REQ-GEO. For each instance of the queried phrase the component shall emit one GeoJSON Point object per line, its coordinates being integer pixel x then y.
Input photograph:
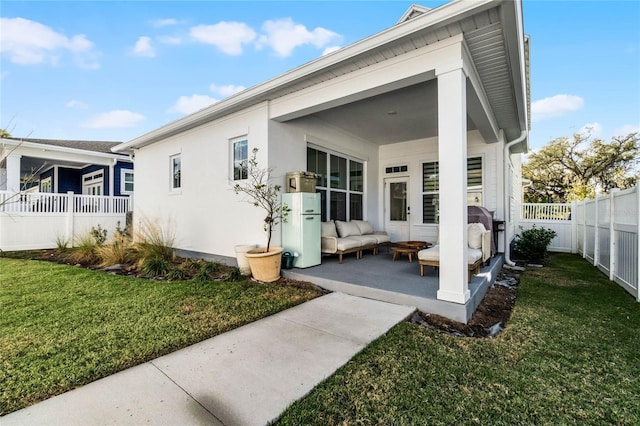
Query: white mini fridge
{"type": "Point", "coordinates": [301, 232]}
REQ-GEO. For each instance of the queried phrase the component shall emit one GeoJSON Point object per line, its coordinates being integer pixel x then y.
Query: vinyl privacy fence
{"type": "Point", "coordinates": [30, 221]}
{"type": "Point", "coordinates": [603, 230]}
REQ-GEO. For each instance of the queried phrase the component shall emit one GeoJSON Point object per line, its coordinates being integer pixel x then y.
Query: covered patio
{"type": "Point", "coordinates": [381, 278]}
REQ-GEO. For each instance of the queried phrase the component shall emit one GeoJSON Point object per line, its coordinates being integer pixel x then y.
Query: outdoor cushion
{"type": "Point", "coordinates": [329, 229]}
{"type": "Point", "coordinates": [347, 229]}
{"type": "Point", "coordinates": [348, 243]}
{"type": "Point", "coordinates": [433, 254]}
{"type": "Point", "coordinates": [364, 226]}
{"type": "Point", "coordinates": [382, 237]}
{"type": "Point", "coordinates": [474, 235]}
{"type": "Point", "coordinates": [366, 240]}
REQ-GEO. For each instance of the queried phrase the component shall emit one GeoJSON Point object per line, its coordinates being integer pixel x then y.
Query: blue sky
{"type": "Point", "coordinates": [114, 70]}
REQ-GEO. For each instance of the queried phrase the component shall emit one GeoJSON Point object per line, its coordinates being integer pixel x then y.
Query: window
{"type": "Point", "coordinates": [45, 185]}
{"type": "Point", "coordinates": [240, 158]}
{"type": "Point", "coordinates": [176, 172]}
{"type": "Point", "coordinates": [431, 188]}
{"type": "Point", "coordinates": [340, 182]}
{"type": "Point", "coordinates": [126, 181]}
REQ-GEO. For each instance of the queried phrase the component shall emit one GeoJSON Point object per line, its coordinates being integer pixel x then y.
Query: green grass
{"type": "Point", "coordinates": [63, 326]}
{"type": "Point", "coordinates": [570, 354]}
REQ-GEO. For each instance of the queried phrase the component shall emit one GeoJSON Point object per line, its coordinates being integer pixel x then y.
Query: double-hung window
{"type": "Point", "coordinates": [340, 182]}
{"type": "Point", "coordinates": [126, 181]}
{"type": "Point", "coordinates": [240, 159]}
{"type": "Point", "coordinates": [431, 188]}
{"type": "Point", "coordinates": [176, 172]}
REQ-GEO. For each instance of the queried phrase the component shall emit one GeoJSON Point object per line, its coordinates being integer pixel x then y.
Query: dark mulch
{"type": "Point", "coordinates": [490, 317]}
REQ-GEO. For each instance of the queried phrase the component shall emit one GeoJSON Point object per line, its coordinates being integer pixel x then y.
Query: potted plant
{"type": "Point", "coordinates": [265, 262]}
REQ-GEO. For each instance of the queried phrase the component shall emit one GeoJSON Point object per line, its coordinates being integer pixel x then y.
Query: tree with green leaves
{"type": "Point", "coordinates": [4, 134]}
{"type": "Point", "coordinates": [569, 169]}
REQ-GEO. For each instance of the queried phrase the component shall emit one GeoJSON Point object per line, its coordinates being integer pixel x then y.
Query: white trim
{"type": "Point", "coordinates": [47, 180]}
{"type": "Point", "coordinates": [123, 182]}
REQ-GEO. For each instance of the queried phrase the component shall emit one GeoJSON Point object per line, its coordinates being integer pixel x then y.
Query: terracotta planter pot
{"type": "Point", "coordinates": [265, 266]}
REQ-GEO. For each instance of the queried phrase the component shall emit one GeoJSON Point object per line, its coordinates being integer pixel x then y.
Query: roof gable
{"type": "Point", "coordinates": [413, 11]}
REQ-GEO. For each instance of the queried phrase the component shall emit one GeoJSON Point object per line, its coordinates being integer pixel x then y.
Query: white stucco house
{"type": "Point", "coordinates": [437, 106]}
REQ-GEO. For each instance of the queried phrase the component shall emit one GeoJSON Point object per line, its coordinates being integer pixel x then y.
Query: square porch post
{"type": "Point", "coordinates": [452, 155]}
{"type": "Point", "coordinates": [13, 172]}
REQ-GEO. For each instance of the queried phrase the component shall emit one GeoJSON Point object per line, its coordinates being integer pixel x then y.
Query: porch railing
{"type": "Point", "coordinates": [38, 202]}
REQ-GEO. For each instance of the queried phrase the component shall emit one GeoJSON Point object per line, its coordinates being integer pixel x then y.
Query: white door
{"type": "Point", "coordinates": [396, 208]}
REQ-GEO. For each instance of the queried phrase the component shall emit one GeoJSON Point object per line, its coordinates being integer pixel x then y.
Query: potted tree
{"type": "Point", "coordinates": [264, 262]}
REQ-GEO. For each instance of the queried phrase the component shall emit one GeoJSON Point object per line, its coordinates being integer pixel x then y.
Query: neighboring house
{"type": "Point", "coordinates": [405, 128]}
{"type": "Point", "coordinates": [61, 166]}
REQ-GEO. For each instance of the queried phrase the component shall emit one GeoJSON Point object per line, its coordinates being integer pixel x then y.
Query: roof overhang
{"type": "Point", "coordinates": [436, 22]}
{"type": "Point", "coordinates": [59, 153]}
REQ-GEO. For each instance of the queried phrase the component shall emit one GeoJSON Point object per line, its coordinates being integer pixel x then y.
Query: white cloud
{"type": "Point", "coordinates": [626, 129]}
{"type": "Point", "coordinates": [164, 22]}
{"type": "Point", "coordinates": [29, 42]}
{"type": "Point", "coordinates": [114, 119]}
{"type": "Point", "coordinates": [591, 129]}
{"type": "Point", "coordinates": [227, 90]}
{"type": "Point", "coordinates": [144, 48]}
{"type": "Point", "coordinates": [283, 36]}
{"type": "Point", "coordinates": [555, 106]}
{"type": "Point", "coordinates": [330, 49]}
{"type": "Point", "coordinates": [169, 40]}
{"type": "Point", "coordinates": [76, 104]}
{"type": "Point", "coordinates": [188, 104]}
{"type": "Point", "coordinates": [229, 37]}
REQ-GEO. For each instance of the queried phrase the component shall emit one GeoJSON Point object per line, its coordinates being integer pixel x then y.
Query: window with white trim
{"type": "Point", "coordinates": [126, 181]}
{"type": "Point", "coordinates": [176, 172]}
{"type": "Point", "coordinates": [92, 183]}
{"type": "Point", "coordinates": [340, 182]}
{"type": "Point", "coordinates": [431, 188]}
{"type": "Point", "coordinates": [240, 153]}
{"type": "Point", "coordinates": [45, 185]}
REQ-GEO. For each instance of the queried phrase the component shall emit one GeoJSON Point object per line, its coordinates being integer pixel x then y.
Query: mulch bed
{"type": "Point", "coordinates": [490, 317]}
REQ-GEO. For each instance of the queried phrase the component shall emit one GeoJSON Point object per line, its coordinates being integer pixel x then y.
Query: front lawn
{"type": "Point", "coordinates": [569, 355]}
{"type": "Point", "coordinates": [63, 326]}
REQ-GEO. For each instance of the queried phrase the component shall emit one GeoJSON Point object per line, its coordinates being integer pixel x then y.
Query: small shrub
{"type": "Point", "coordinates": [99, 235]}
{"type": "Point", "coordinates": [532, 244]}
{"type": "Point", "coordinates": [84, 252]}
{"type": "Point", "coordinates": [117, 251]}
{"type": "Point", "coordinates": [207, 271]}
{"type": "Point", "coordinates": [62, 243]}
{"type": "Point", "coordinates": [178, 274]}
{"type": "Point", "coordinates": [234, 275]}
{"type": "Point", "coordinates": [155, 266]}
{"type": "Point", "coordinates": [153, 242]}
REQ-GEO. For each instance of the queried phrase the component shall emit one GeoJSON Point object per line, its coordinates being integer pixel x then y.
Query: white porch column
{"type": "Point", "coordinates": [452, 156]}
{"type": "Point", "coordinates": [13, 172]}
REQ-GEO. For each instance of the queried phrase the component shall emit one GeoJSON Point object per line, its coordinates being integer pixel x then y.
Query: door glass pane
{"type": "Point", "coordinates": [398, 201]}
{"type": "Point", "coordinates": [338, 172]}
{"type": "Point", "coordinates": [338, 205]}
{"type": "Point", "coordinates": [317, 163]}
{"type": "Point", "coordinates": [355, 206]}
{"type": "Point", "coordinates": [355, 176]}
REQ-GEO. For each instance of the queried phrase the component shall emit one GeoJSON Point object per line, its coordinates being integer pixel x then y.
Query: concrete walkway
{"type": "Point", "coordinates": [247, 376]}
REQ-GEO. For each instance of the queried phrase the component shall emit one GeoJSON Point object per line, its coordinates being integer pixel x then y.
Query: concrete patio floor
{"type": "Point", "coordinates": [381, 278]}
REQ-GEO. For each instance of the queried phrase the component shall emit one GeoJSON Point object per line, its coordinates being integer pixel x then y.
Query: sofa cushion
{"type": "Point", "coordinates": [433, 255]}
{"type": "Point", "coordinates": [329, 229]}
{"type": "Point", "coordinates": [348, 244]}
{"type": "Point", "coordinates": [366, 240]}
{"type": "Point", "coordinates": [347, 229]}
{"type": "Point", "coordinates": [382, 237]}
{"type": "Point", "coordinates": [364, 226]}
{"type": "Point", "coordinates": [474, 235]}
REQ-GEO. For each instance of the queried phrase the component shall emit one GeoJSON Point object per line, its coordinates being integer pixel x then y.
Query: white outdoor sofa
{"type": "Point", "coordinates": [478, 250]}
{"type": "Point", "coordinates": [340, 237]}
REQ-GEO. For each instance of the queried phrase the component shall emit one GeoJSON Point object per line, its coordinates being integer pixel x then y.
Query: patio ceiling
{"type": "Point", "coordinates": [401, 115]}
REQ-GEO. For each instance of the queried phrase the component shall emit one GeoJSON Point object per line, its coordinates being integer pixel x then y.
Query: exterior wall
{"type": "Point", "coordinates": [205, 215]}
{"type": "Point", "coordinates": [288, 152]}
{"type": "Point", "coordinates": [414, 153]}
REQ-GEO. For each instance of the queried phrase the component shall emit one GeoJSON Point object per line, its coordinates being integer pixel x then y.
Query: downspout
{"type": "Point", "coordinates": [507, 160]}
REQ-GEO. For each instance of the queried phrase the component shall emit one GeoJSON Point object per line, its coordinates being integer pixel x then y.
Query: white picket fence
{"type": "Point", "coordinates": [37, 220]}
{"type": "Point", "coordinates": [603, 230]}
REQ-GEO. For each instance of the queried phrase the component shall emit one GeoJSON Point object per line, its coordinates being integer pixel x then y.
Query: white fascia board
{"type": "Point", "coordinates": [37, 150]}
{"type": "Point", "coordinates": [442, 15]}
